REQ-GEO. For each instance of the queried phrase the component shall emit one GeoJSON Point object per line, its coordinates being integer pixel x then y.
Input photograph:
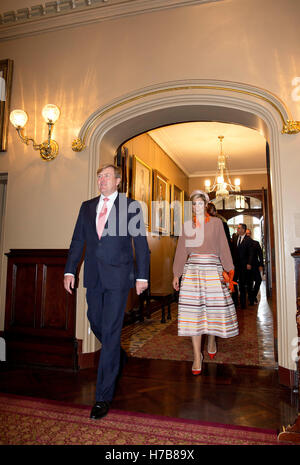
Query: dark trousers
{"type": "Point", "coordinates": [255, 284]}
{"type": "Point", "coordinates": [106, 310]}
{"type": "Point", "coordinates": [244, 287]}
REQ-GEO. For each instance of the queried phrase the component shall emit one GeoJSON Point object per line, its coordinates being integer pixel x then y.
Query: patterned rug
{"type": "Point", "coordinates": [154, 340]}
{"type": "Point", "coordinates": [28, 421]}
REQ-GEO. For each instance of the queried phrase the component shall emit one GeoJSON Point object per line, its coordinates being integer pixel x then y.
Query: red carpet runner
{"type": "Point", "coordinates": [28, 421]}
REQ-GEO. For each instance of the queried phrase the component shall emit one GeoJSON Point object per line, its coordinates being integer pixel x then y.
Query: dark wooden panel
{"type": "Point", "coordinates": [24, 295]}
{"type": "Point", "coordinates": [43, 352]}
{"type": "Point", "coordinates": [56, 314]}
{"type": "Point", "coordinates": [40, 317]}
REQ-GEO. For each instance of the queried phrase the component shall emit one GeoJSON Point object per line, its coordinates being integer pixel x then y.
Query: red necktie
{"type": "Point", "coordinates": [102, 218]}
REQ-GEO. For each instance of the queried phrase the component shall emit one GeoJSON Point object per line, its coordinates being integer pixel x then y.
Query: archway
{"type": "Point", "coordinates": [170, 103]}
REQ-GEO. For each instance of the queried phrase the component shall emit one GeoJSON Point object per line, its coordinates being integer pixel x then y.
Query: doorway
{"type": "Point", "coordinates": [3, 189]}
{"type": "Point", "coordinates": [198, 100]}
{"type": "Point", "coordinates": [145, 152]}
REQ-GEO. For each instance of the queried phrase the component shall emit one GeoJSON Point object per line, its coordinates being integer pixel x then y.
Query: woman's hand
{"type": "Point", "coordinates": [176, 283]}
{"type": "Point", "coordinates": [228, 278]}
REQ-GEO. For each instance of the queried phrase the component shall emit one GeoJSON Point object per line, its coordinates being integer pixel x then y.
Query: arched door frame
{"type": "Point", "coordinates": [169, 103]}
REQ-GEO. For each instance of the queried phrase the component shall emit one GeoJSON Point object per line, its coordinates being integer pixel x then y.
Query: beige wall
{"type": "Point", "coordinates": [83, 68]}
{"type": "Point", "coordinates": [150, 152]}
{"type": "Point", "coordinates": [162, 248]}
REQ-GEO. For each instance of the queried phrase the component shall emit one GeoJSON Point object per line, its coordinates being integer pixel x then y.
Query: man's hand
{"type": "Point", "coordinates": [249, 267]}
{"type": "Point", "coordinates": [176, 283]}
{"type": "Point", "coordinates": [69, 283]}
{"type": "Point", "coordinates": [140, 286]}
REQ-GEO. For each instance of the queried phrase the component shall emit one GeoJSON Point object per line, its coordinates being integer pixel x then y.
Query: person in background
{"type": "Point", "coordinates": [242, 249]}
{"type": "Point", "coordinates": [257, 270]}
{"type": "Point", "coordinates": [204, 261]}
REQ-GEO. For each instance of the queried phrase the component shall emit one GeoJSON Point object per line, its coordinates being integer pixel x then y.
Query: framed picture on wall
{"type": "Point", "coordinates": [6, 71]}
{"type": "Point", "coordinates": [122, 160]}
{"type": "Point", "coordinates": [160, 204]}
{"type": "Point", "coordinates": [142, 187]}
{"type": "Point", "coordinates": [177, 212]}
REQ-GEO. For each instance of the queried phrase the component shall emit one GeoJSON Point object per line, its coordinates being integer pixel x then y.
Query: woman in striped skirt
{"type": "Point", "coordinates": [204, 262]}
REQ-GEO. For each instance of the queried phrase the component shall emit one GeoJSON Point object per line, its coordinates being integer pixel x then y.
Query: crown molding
{"type": "Point", "coordinates": [241, 172]}
{"type": "Point", "coordinates": [201, 174]}
{"type": "Point", "coordinates": [57, 15]}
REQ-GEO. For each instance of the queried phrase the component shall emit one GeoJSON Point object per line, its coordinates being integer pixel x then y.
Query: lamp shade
{"type": "Point", "coordinates": [18, 118]}
{"type": "Point", "coordinates": [50, 113]}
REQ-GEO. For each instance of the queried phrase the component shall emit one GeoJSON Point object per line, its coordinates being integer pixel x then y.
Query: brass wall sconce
{"type": "Point", "coordinates": [49, 148]}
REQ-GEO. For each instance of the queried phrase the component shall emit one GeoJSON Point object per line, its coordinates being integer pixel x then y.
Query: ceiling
{"type": "Point", "coordinates": [194, 147]}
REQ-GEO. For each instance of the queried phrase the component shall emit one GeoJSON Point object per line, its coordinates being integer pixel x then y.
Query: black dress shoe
{"type": "Point", "coordinates": [99, 410]}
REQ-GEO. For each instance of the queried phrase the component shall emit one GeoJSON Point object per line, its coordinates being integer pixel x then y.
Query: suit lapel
{"type": "Point", "coordinates": [93, 212]}
{"type": "Point", "coordinates": [243, 242]}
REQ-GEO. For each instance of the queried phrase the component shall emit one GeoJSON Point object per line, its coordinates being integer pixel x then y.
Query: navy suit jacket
{"type": "Point", "coordinates": [110, 262]}
{"type": "Point", "coordinates": [243, 254]}
{"type": "Point", "coordinates": [258, 259]}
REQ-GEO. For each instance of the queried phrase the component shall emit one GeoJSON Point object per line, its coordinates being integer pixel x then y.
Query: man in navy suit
{"type": "Point", "coordinates": [107, 227]}
{"type": "Point", "coordinates": [242, 252]}
{"type": "Point", "coordinates": [257, 269]}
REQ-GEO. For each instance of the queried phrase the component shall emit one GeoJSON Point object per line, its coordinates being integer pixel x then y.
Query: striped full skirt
{"type": "Point", "coordinates": [205, 304]}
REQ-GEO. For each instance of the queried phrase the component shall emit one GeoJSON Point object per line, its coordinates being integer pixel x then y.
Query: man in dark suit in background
{"type": "Point", "coordinates": [257, 269]}
{"type": "Point", "coordinates": [242, 251]}
{"type": "Point", "coordinates": [107, 227]}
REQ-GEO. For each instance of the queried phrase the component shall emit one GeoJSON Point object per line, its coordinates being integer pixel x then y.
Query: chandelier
{"type": "Point", "coordinates": [222, 184]}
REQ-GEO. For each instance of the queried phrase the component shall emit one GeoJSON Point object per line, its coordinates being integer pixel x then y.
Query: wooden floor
{"type": "Point", "coordinates": [223, 394]}
{"type": "Point", "coordinates": [236, 395]}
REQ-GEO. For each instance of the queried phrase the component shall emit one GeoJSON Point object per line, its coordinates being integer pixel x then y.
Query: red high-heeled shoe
{"type": "Point", "coordinates": [212, 355]}
{"type": "Point", "coordinates": [198, 371]}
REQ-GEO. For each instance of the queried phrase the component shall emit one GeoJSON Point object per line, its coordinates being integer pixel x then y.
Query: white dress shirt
{"type": "Point", "coordinates": [240, 239]}
{"type": "Point", "coordinates": [112, 197]}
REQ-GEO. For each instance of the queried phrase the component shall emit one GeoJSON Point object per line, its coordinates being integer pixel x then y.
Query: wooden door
{"type": "Point", "coordinates": [40, 315]}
